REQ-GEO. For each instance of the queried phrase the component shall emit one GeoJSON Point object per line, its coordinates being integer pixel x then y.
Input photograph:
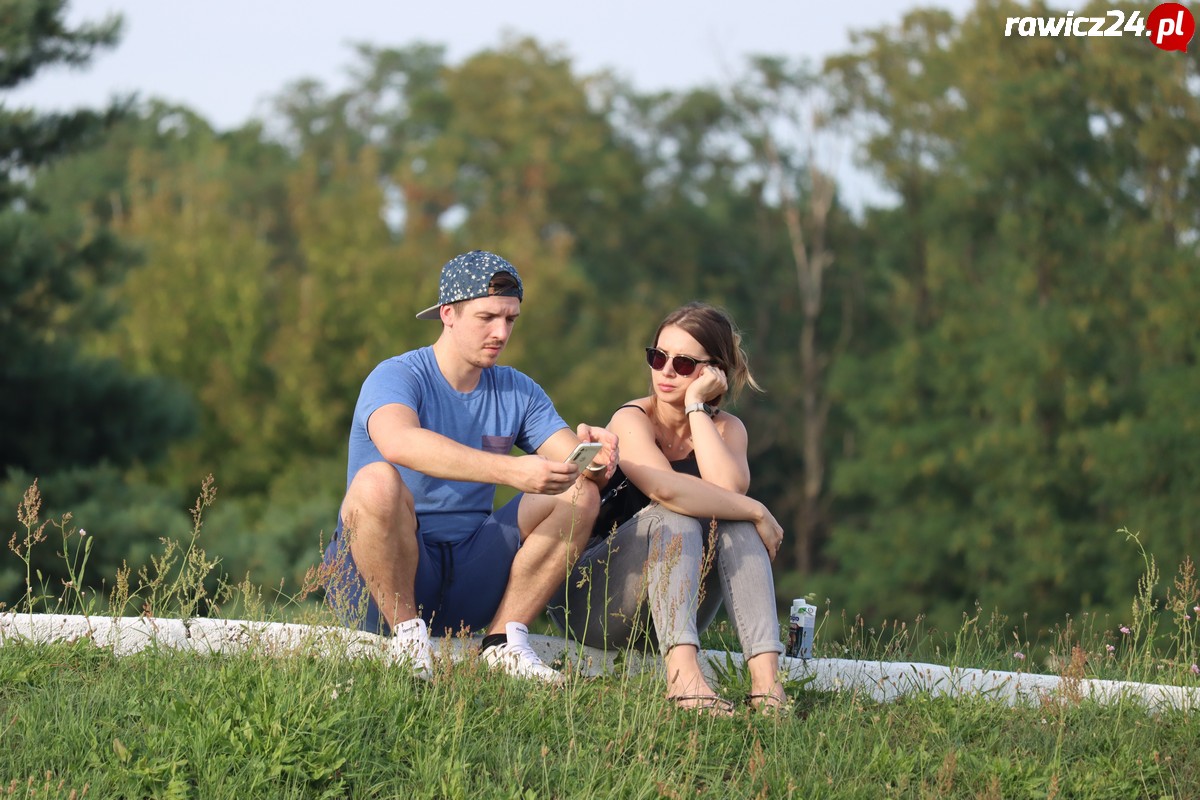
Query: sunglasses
{"type": "Point", "coordinates": [683, 365]}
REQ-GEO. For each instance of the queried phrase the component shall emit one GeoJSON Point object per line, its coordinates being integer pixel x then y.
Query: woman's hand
{"type": "Point", "coordinates": [608, 457]}
{"type": "Point", "coordinates": [769, 531]}
{"type": "Point", "coordinates": [711, 382]}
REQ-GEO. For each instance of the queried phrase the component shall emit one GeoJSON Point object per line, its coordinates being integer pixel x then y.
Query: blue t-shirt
{"type": "Point", "coordinates": [505, 409]}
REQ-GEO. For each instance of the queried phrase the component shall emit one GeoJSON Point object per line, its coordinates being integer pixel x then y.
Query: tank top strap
{"type": "Point", "coordinates": [632, 405]}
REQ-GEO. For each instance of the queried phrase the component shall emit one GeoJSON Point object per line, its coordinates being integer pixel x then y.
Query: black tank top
{"type": "Point", "coordinates": [620, 499]}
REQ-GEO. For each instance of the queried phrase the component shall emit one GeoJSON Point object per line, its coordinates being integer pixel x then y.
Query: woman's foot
{"type": "Point", "coordinates": [772, 702]}
{"type": "Point", "coordinates": [766, 690]}
{"type": "Point", "coordinates": [686, 686]}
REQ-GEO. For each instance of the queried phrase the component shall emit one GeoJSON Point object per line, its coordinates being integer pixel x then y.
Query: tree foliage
{"type": "Point", "coordinates": [60, 407]}
{"type": "Point", "coordinates": [1017, 264]}
{"type": "Point", "coordinates": [969, 389]}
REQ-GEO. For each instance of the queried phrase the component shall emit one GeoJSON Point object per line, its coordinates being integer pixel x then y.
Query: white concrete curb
{"type": "Point", "coordinates": [887, 680]}
{"type": "Point", "coordinates": [882, 681]}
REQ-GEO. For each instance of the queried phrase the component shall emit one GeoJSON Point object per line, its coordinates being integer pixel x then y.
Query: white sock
{"type": "Point", "coordinates": [409, 627]}
{"type": "Point", "coordinates": [517, 633]}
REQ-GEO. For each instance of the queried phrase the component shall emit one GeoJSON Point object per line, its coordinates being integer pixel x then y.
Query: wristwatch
{"type": "Point", "coordinates": [705, 407]}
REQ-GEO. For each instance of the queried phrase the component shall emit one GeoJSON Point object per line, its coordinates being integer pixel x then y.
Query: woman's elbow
{"type": "Point", "coordinates": [664, 497]}
{"type": "Point", "coordinates": [738, 484]}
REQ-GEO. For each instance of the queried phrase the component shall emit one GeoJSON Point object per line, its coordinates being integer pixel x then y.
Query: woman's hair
{"type": "Point", "coordinates": [713, 328]}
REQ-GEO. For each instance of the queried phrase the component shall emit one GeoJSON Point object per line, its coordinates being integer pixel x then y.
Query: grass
{"type": "Point", "coordinates": [77, 721]}
{"type": "Point", "coordinates": [168, 724]}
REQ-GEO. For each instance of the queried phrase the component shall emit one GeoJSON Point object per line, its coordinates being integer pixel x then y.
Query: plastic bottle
{"type": "Point", "coordinates": [808, 625]}
{"type": "Point", "coordinates": [794, 634]}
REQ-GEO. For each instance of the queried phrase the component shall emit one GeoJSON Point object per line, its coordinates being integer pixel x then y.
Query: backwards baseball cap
{"type": "Point", "coordinates": [469, 276]}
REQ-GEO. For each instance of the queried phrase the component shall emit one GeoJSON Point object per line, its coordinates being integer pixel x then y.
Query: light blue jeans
{"type": "Point", "coordinates": [662, 562]}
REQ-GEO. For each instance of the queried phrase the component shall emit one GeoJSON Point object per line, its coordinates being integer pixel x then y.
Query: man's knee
{"type": "Point", "coordinates": [588, 502]}
{"type": "Point", "coordinates": [377, 490]}
{"type": "Point", "coordinates": [585, 507]}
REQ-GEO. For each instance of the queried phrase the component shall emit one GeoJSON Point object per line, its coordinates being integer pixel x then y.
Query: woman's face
{"type": "Point", "coordinates": [667, 383]}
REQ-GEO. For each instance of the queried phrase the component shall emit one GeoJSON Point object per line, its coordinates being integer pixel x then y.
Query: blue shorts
{"type": "Point", "coordinates": [459, 584]}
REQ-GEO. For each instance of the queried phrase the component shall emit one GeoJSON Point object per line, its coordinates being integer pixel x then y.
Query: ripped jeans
{"type": "Point", "coordinates": [655, 561]}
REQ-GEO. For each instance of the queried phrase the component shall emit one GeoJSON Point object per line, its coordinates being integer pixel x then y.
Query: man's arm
{"type": "Point", "coordinates": [397, 433]}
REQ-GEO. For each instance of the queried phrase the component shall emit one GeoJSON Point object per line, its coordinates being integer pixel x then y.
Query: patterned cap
{"type": "Point", "coordinates": [469, 276]}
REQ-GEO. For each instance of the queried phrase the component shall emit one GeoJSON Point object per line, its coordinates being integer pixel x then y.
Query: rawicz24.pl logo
{"type": "Point", "coordinates": [1170, 26]}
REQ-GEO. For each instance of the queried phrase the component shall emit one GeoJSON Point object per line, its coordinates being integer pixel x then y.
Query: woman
{"type": "Point", "coordinates": [683, 476]}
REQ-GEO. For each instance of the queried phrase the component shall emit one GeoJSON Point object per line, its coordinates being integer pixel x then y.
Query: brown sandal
{"type": "Point", "coordinates": [767, 702]}
{"type": "Point", "coordinates": [710, 703]}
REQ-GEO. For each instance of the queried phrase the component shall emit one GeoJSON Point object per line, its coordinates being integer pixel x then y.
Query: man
{"type": "Point", "coordinates": [418, 545]}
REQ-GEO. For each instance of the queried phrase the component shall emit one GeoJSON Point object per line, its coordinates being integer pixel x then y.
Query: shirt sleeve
{"type": "Point", "coordinates": [541, 420]}
{"type": "Point", "coordinates": [392, 381]}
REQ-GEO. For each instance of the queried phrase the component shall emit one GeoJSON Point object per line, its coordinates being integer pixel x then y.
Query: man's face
{"type": "Point", "coordinates": [480, 328]}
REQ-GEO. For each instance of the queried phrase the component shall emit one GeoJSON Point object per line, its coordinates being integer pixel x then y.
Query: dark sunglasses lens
{"type": "Point", "coordinates": [657, 359]}
{"type": "Point", "coordinates": [683, 365]}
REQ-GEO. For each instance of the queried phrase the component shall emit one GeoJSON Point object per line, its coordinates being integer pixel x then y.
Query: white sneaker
{"type": "Point", "coordinates": [518, 658]}
{"type": "Point", "coordinates": [411, 645]}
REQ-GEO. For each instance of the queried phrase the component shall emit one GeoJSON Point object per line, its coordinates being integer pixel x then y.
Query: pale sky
{"type": "Point", "coordinates": [226, 59]}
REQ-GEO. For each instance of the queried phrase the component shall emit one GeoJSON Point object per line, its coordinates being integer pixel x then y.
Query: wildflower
{"type": "Point", "coordinates": [334, 694]}
{"type": "Point", "coordinates": [82, 533]}
{"type": "Point", "coordinates": [1125, 630]}
{"type": "Point", "coordinates": [1196, 609]}
{"type": "Point", "coordinates": [1109, 648]}
{"type": "Point", "coordinates": [1187, 617]}
{"type": "Point", "coordinates": [1195, 669]}
{"type": "Point", "coordinates": [1019, 656]}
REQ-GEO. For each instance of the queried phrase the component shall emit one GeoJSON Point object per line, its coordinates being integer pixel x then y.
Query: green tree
{"type": "Point", "coordinates": [199, 309]}
{"type": "Point", "coordinates": [509, 151]}
{"type": "Point", "coordinates": [59, 406]}
{"type": "Point", "coordinates": [1007, 280]}
{"type": "Point", "coordinates": [780, 119]}
{"type": "Point", "coordinates": [347, 301]}
{"type": "Point", "coordinates": [205, 215]}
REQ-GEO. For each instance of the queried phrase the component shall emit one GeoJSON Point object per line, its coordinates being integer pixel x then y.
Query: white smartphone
{"type": "Point", "coordinates": [583, 454]}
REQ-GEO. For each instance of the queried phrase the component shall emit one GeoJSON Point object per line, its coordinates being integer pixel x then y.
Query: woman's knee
{"type": "Point", "coordinates": [734, 534]}
{"type": "Point", "coordinates": [668, 532]}
{"type": "Point", "coordinates": [670, 522]}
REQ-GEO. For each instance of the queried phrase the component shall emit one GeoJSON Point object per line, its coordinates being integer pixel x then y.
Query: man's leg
{"type": "Point", "coordinates": [554, 529]}
{"type": "Point", "coordinates": [380, 520]}
{"type": "Point", "coordinates": [380, 527]}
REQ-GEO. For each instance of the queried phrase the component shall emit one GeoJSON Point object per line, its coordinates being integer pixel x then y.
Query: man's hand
{"type": "Point", "coordinates": [609, 455]}
{"type": "Point", "coordinates": [537, 475]}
